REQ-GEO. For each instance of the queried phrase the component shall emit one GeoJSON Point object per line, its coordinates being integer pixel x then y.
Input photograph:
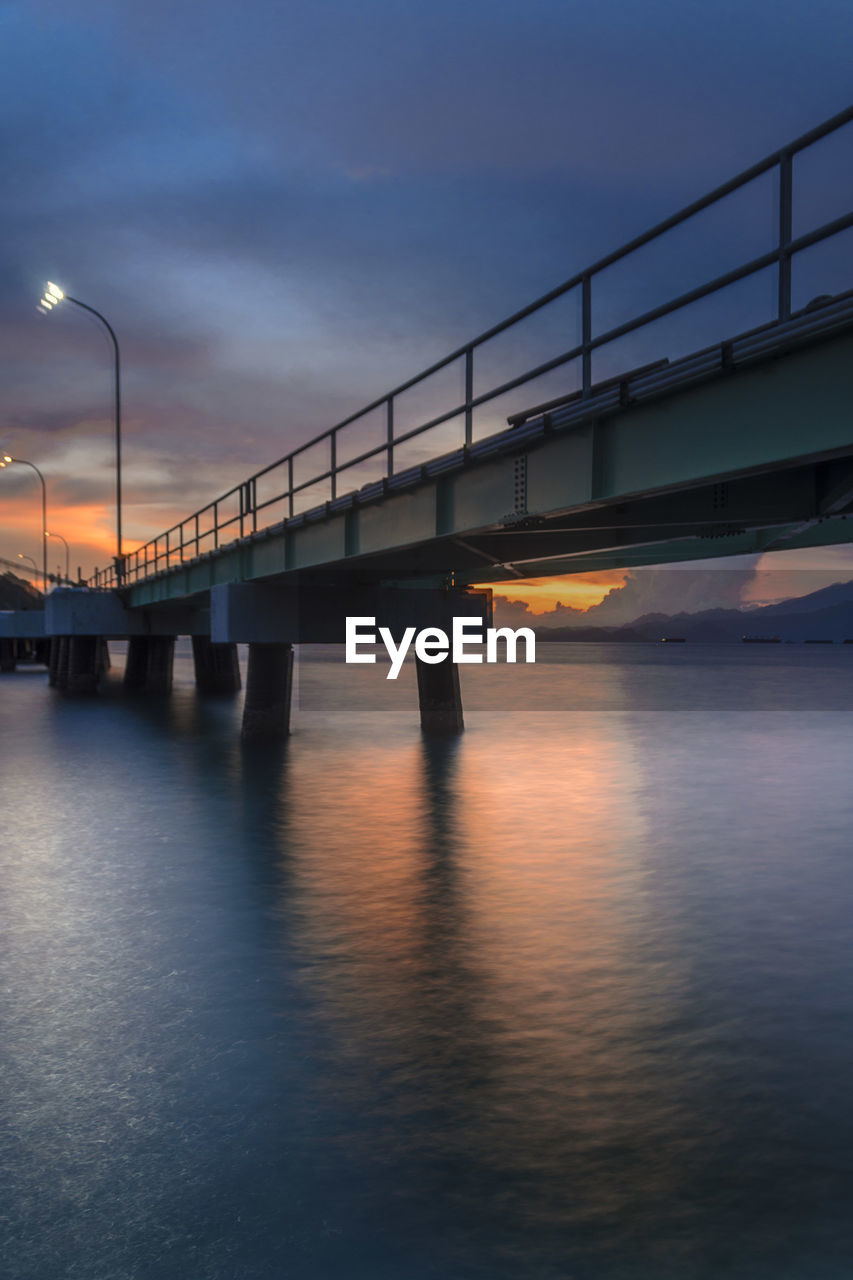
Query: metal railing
{"type": "Point", "coordinates": [241, 511]}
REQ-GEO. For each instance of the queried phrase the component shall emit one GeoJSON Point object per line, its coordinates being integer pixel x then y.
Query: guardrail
{"type": "Point", "coordinates": [303, 479]}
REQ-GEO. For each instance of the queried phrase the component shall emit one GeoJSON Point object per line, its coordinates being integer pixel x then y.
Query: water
{"type": "Point", "coordinates": [566, 999]}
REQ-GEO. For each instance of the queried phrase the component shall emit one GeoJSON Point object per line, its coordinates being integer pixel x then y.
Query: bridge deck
{"type": "Point", "coordinates": [723, 452]}
{"type": "Point", "coordinates": [718, 422]}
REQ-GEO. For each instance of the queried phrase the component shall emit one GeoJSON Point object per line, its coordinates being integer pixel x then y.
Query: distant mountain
{"type": "Point", "coordinates": [838, 594]}
{"type": "Point", "coordinates": [826, 614]}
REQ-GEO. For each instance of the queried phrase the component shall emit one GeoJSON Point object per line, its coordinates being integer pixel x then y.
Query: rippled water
{"type": "Point", "coordinates": [569, 998]}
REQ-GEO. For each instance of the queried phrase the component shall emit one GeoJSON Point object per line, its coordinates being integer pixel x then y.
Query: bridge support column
{"type": "Point", "coordinates": [440, 697]}
{"type": "Point", "coordinates": [217, 667]}
{"type": "Point", "coordinates": [8, 660]}
{"type": "Point", "coordinates": [149, 664]}
{"type": "Point", "coordinates": [53, 661]}
{"type": "Point", "coordinates": [84, 664]}
{"type": "Point", "coordinates": [158, 671]}
{"type": "Point", "coordinates": [105, 656]}
{"type": "Point", "coordinates": [136, 665]}
{"type": "Point", "coordinates": [269, 684]}
{"type": "Point", "coordinates": [62, 662]}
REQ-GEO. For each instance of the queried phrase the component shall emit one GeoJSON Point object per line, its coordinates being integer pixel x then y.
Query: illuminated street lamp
{"type": "Point", "coordinates": [6, 461]}
{"type": "Point", "coordinates": [52, 296]}
{"type": "Point", "coordinates": [21, 556]}
{"type": "Point", "coordinates": [48, 534]}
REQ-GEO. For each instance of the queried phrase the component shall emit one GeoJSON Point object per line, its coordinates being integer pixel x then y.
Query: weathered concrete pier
{"type": "Point", "coordinates": [217, 666]}
{"type": "Point", "coordinates": [270, 619]}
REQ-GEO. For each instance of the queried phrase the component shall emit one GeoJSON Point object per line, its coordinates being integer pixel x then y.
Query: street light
{"type": "Point", "coordinates": [22, 462]}
{"type": "Point", "coordinates": [21, 556]}
{"type": "Point", "coordinates": [52, 296]}
{"type": "Point", "coordinates": [47, 534]}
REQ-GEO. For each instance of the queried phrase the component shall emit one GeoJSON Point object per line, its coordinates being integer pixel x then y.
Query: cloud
{"type": "Point", "coordinates": [751, 581]}
{"type": "Point", "coordinates": [286, 210]}
{"type": "Point", "coordinates": [654, 590]}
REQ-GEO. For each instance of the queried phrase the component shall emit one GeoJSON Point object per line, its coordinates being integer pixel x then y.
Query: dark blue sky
{"type": "Point", "coordinates": [285, 208]}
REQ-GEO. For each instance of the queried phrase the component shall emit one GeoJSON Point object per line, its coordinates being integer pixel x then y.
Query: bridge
{"type": "Point", "coordinates": [716, 421]}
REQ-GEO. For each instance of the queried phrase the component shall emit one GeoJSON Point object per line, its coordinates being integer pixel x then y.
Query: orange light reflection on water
{"type": "Point", "coordinates": [482, 943]}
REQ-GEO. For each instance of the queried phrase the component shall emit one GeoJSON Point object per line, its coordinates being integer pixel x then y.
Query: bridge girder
{"type": "Point", "coordinates": [749, 459]}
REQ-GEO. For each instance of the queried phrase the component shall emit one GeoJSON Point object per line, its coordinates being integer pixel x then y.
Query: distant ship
{"type": "Point", "coordinates": [672, 639]}
{"type": "Point", "coordinates": [760, 640]}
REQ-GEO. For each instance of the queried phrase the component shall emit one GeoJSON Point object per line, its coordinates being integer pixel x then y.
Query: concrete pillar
{"type": "Point", "coordinates": [158, 671]}
{"type": "Point", "coordinates": [440, 697]}
{"type": "Point", "coordinates": [53, 661]}
{"type": "Point", "coordinates": [269, 683]}
{"type": "Point", "coordinates": [8, 660]}
{"type": "Point", "coordinates": [148, 668]}
{"type": "Point", "coordinates": [105, 656]}
{"type": "Point", "coordinates": [217, 667]}
{"type": "Point", "coordinates": [84, 664]}
{"type": "Point", "coordinates": [136, 666]}
{"type": "Point", "coordinates": [62, 662]}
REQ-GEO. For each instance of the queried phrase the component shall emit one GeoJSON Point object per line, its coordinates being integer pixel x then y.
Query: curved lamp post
{"type": "Point", "coordinates": [48, 534]}
{"type": "Point", "coordinates": [53, 295]}
{"type": "Point", "coordinates": [22, 462]}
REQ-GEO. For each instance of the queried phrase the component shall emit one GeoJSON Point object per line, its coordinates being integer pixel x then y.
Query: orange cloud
{"type": "Point", "coordinates": [578, 591]}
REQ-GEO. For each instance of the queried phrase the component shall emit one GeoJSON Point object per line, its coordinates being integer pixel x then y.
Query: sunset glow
{"type": "Point", "coordinates": [578, 591]}
{"type": "Point", "coordinates": [89, 530]}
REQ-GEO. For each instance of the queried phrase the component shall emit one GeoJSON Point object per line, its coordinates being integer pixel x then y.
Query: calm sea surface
{"type": "Point", "coordinates": [570, 998]}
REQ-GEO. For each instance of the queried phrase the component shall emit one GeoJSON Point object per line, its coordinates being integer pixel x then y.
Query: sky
{"type": "Point", "coordinates": [284, 209]}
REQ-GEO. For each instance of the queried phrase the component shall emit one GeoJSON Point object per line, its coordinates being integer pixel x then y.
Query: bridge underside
{"type": "Point", "coordinates": [753, 454]}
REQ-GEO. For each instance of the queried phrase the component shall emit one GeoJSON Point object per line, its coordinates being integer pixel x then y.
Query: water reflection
{"type": "Point", "coordinates": [477, 985]}
{"type": "Point", "coordinates": [567, 996]}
